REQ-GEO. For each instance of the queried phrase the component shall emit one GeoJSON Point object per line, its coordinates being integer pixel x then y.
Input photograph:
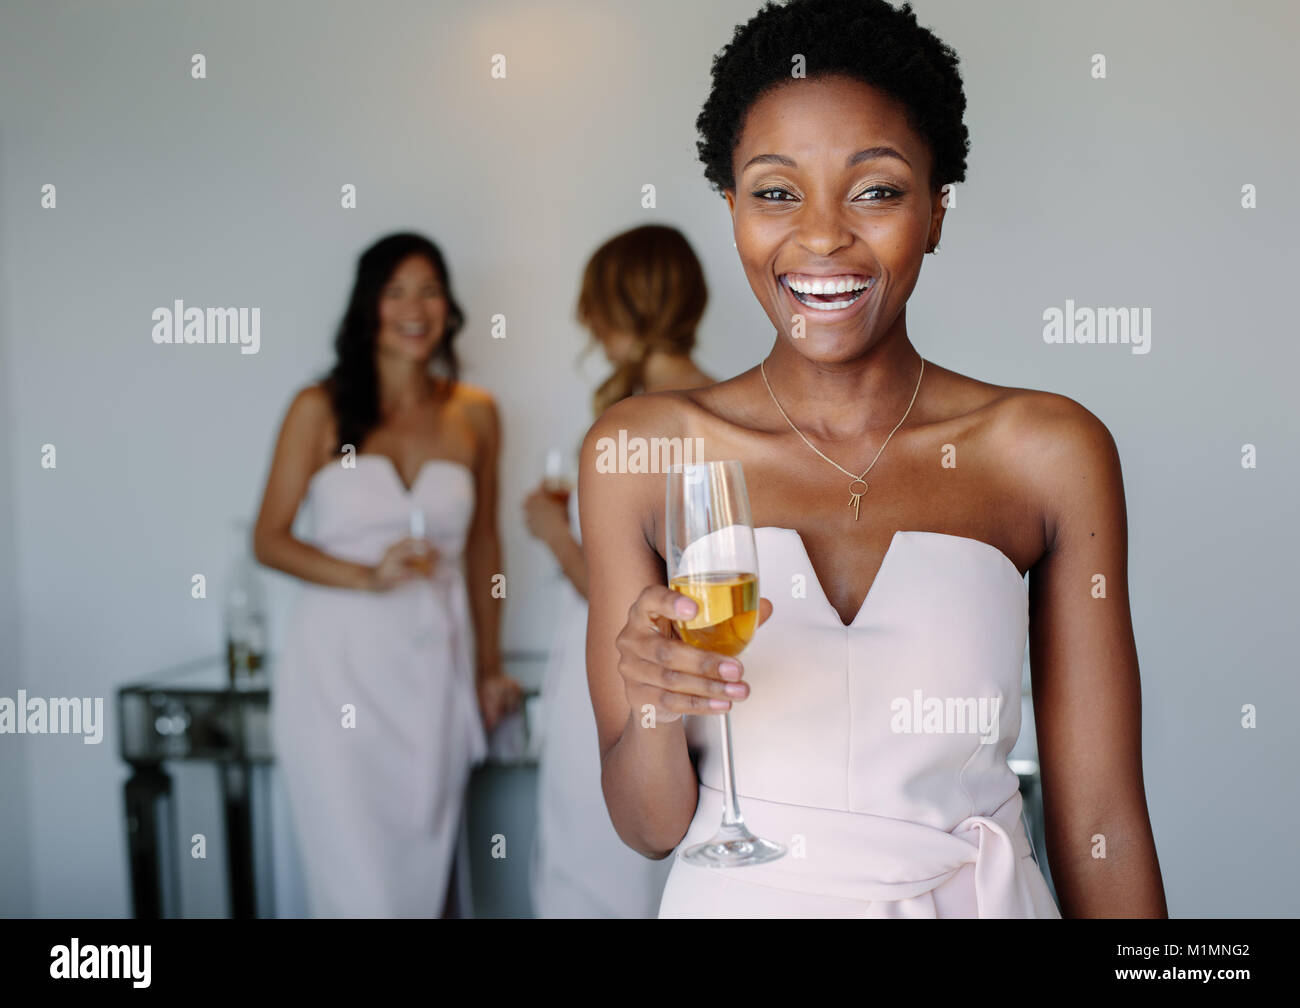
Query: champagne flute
{"type": "Point", "coordinates": [423, 563]}
{"type": "Point", "coordinates": [556, 482]}
{"type": "Point", "coordinates": [713, 559]}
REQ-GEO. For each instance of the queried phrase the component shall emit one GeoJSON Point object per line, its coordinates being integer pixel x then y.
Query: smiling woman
{"type": "Point", "coordinates": [835, 185]}
{"type": "Point", "coordinates": [391, 670]}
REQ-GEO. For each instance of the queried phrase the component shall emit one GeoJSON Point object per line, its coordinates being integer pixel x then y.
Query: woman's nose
{"type": "Point", "coordinates": [822, 228]}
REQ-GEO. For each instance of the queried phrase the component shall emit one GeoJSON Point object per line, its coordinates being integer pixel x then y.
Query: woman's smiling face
{"type": "Point", "coordinates": [829, 224]}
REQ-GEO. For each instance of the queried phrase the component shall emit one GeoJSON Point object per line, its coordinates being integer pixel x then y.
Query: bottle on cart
{"type": "Point", "coordinates": [245, 610]}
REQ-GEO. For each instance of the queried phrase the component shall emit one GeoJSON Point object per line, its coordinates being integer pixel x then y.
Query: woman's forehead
{"type": "Point", "coordinates": [817, 118]}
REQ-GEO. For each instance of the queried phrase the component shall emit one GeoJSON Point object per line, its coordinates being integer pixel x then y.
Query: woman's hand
{"type": "Point", "coordinates": [498, 695]}
{"type": "Point", "coordinates": [546, 517]}
{"type": "Point", "coordinates": [673, 677]}
{"type": "Point", "coordinates": [404, 560]}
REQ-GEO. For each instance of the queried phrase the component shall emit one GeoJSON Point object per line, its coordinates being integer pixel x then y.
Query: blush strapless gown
{"type": "Point", "coordinates": [377, 807]}
{"type": "Point", "coordinates": [877, 752]}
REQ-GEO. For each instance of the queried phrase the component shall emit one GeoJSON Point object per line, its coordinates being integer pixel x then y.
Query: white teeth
{"type": "Point", "coordinates": [414, 329]}
{"type": "Point", "coordinates": [832, 306]}
{"type": "Point", "coordinates": [855, 286]}
{"type": "Point", "coordinates": [829, 285]}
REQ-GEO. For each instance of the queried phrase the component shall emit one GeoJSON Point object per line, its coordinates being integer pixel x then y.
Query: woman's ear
{"type": "Point", "coordinates": [937, 210]}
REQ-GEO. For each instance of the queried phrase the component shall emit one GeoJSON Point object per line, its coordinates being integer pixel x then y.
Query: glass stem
{"type": "Point", "coordinates": [730, 807]}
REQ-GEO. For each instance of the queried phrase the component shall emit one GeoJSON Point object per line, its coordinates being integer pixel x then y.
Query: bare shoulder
{"type": "Point", "coordinates": [306, 437]}
{"type": "Point", "coordinates": [477, 405]}
{"type": "Point", "coordinates": [611, 493]}
{"type": "Point", "coordinates": [1021, 423]}
{"type": "Point", "coordinates": [1048, 432]}
{"type": "Point", "coordinates": [1066, 458]}
{"type": "Point", "coordinates": [667, 413]}
{"type": "Point", "coordinates": [473, 398]}
{"type": "Point", "coordinates": [312, 403]}
{"type": "Point", "coordinates": [310, 422]}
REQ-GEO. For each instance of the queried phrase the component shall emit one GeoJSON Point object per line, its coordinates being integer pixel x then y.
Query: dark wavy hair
{"type": "Point", "coordinates": [867, 40]}
{"type": "Point", "coordinates": [353, 383]}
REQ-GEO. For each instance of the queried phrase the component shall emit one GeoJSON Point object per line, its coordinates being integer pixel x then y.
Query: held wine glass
{"type": "Point", "coordinates": [712, 558]}
{"type": "Point", "coordinates": [557, 482]}
{"type": "Point", "coordinates": [422, 564]}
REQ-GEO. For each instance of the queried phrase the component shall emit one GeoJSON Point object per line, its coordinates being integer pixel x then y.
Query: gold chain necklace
{"type": "Point", "coordinates": [855, 496]}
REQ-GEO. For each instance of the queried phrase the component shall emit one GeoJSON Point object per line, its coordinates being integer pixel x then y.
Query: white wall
{"type": "Point", "coordinates": [225, 191]}
{"type": "Point", "coordinates": [15, 856]}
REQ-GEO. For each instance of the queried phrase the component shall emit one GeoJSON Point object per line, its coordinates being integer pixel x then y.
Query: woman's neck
{"type": "Point", "coordinates": [668, 370]}
{"type": "Point", "coordinates": [402, 383]}
{"type": "Point", "coordinates": [844, 401]}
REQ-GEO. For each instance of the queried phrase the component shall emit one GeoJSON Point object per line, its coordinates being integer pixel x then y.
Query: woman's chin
{"type": "Point", "coordinates": [416, 356]}
{"type": "Point", "coordinates": [830, 348]}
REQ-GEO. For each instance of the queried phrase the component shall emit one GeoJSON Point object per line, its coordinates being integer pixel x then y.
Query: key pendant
{"type": "Point", "coordinates": [855, 496]}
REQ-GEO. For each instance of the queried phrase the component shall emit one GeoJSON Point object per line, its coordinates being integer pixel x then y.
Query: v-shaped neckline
{"type": "Point", "coordinates": [402, 486]}
{"type": "Point", "coordinates": [883, 569]}
{"type": "Point", "coordinates": [871, 590]}
{"type": "Point", "coordinates": [419, 472]}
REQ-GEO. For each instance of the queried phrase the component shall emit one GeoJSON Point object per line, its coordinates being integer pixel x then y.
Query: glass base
{"type": "Point", "coordinates": [733, 847]}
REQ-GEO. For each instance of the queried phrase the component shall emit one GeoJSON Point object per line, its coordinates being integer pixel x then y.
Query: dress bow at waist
{"type": "Point", "coordinates": [854, 855]}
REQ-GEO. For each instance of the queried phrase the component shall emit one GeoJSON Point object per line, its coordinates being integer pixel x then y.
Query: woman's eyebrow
{"type": "Point", "coordinates": [868, 154]}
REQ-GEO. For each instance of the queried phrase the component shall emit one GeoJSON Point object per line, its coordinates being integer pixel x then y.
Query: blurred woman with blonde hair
{"type": "Point", "coordinates": [643, 294]}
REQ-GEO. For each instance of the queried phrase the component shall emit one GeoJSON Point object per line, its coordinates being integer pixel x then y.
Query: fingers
{"type": "Point", "coordinates": [667, 673]}
{"type": "Point", "coordinates": [417, 557]}
{"type": "Point", "coordinates": [419, 546]}
{"type": "Point", "coordinates": [684, 692]}
{"type": "Point", "coordinates": [660, 600]}
{"type": "Point", "coordinates": [646, 651]}
{"type": "Point", "coordinates": [657, 606]}
{"type": "Point", "coordinates": [537, 498]}
{"type": "Point", "coordinates": [498, 697]}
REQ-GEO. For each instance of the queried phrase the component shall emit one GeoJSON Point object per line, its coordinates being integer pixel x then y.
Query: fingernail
{"type": "Point", "coordinates": [719, 704]}
{"type": "Point", "coordinates": [734, 689]}
{"type": "Point", "coordinates": [686, 607]}
{"type": "Point", "coordinates": [729, 670]}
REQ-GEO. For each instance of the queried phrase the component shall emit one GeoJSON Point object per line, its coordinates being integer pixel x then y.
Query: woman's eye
{"type": "Point", "coordinates": [885, 192]}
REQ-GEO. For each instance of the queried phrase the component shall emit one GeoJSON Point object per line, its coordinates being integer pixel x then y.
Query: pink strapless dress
{"type": "Point", "coordinates": [377, 808]}
{"type": "Point", "coordinates": [877, 752]}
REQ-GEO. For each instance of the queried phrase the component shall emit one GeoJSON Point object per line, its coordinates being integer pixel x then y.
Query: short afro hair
{"type": "Point", "coordinates": [867, 40]}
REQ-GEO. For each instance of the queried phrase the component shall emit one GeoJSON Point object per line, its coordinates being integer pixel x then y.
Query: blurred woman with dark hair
{"type": "Point", "coordinates": [391, 669]}
{"type": "Point", "coordinates": [643, 294]}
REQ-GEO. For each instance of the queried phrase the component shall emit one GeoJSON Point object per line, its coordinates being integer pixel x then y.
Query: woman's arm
{"type": "Point", "coordinates": [568, 551]}
{"type": "Point", "coordinates": [641, 677]}
{"type": "Point", "coordinates": [1087, 694]}
{"type": "Point", "coordinates": [649, 785]}
{"type": "Point", "coordinates": [292, 467]}
{"type": "Point", "coordinates": [548, 520]}
{"type": "Point", "coordinates": [483, 551]}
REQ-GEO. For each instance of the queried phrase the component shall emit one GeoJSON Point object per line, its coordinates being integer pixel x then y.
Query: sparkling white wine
{"type": "Point", "coordinates": [728, 610]}
{"type": "Point", "coordinates": [422, 564]}
{"type": "Point", "coordinates": [558, 490]}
